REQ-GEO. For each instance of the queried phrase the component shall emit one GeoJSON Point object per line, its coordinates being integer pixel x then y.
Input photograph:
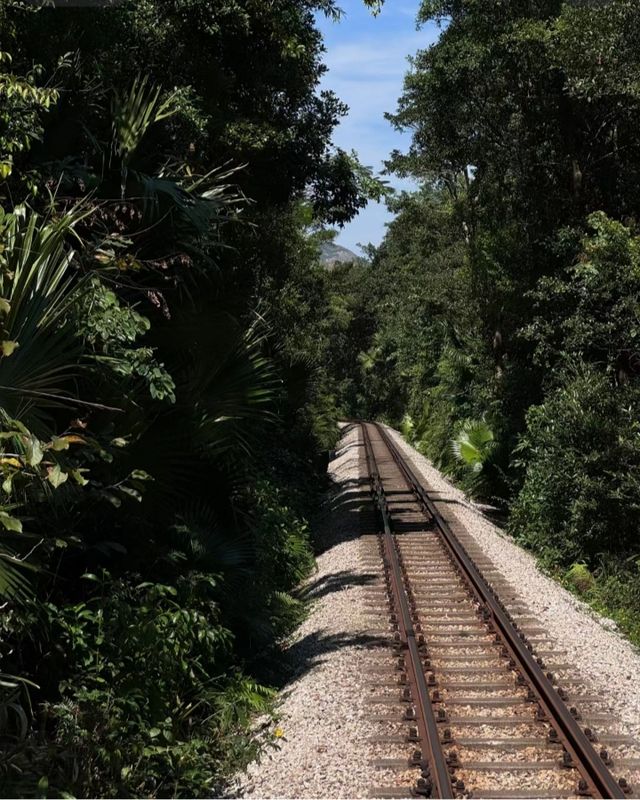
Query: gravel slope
{"type": "Point", "coordinates": [322, 714]}
{"type": "Point", "coordinates": [606, 659]}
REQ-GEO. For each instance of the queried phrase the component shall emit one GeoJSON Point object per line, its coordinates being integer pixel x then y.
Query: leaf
{"type": "Point", "coordinates": [78, 477]}
{"type": "Point", "coordinates": [33, 451]}
{"type": "Point", "coordinates": [10, 461]}
{"type": "Point", "coordinates": [8, 347]}
{"type": "Point", "coordinates": [141, 475]}
{"type": "Point", "coordinates": [10, 523]}
{"type": "Point", "coordinates": [62, 442]}
{"type": "Point", "coordinates": [56, 476]}
{"type": "Point", "coordinates": [5, 305]}
{"type": "Point", "coordinates": [131, 492]}
{"type": "Point", "coordinates": [7, 484]}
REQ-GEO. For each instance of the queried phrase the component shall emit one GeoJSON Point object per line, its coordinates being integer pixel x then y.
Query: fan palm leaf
{"type": "Point", "coordinates": [39, 350]}
{"type": "Point", "coordinates": [134, 111]}
{"type": "Point", "coordinates": [474, 444]}
{"type": "Point", "coordinates": [38, 287]}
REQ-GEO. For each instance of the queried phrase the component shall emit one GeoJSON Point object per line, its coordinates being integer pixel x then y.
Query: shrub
{"type": "Point", "coordinates": [579, 578]}
{"type": "Point", "coordinates": [148, 705]}
{"type": "Point", "coordinates": [581, 487]}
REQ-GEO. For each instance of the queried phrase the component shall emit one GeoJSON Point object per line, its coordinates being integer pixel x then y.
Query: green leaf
{"type": "Point", "coordinates": [33, 451]}
{"type": "Point", "coordinates": [8, 347]}
{"type": "Point", "coordinates": [56, 476]}
{"type": "Point", "coordinates": [141, 475]}
{"type": "Point", "coordinates": [78, 477]}
{"type": "Point", "coordinates": [10, 523]}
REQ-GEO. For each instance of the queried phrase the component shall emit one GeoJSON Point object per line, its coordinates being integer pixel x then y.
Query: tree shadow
{"type": "Point", "coordinates": [312, 650]}
{"type": "Point", "coordinates": [336, 582]}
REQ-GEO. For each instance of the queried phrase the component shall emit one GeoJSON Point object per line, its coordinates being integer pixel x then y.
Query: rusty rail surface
{"type": "Point", "coordinates": [435, 764]}
{"type": "Point", "coordinates": [596, 779]}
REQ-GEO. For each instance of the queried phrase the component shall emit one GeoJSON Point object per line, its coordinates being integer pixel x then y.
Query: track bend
{"type": "Point", "coordinates": [478, 685]}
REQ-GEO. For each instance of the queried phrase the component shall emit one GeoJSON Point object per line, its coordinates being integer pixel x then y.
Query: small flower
{"type": "Point", "coordinates": [278, 732]}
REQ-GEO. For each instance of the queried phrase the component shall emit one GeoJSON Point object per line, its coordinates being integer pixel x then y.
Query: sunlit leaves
{"type": "Point", "coordinates": [134, 111]}
{"type": "Point", "coordinates": [56, 476]}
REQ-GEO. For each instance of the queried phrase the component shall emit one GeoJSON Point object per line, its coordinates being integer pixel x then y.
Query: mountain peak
{"type": "Point", "coordinates": [332, 254]}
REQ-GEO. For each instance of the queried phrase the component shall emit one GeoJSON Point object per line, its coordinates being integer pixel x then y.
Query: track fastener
{"type": "Point", "coordinates": [582, 789]}
{"type": "Point", "coordinates": [413, 735]}
{"type": "Point", "coordinates": [423, 787]}
{"type": "Point", "coordinates": [624, 785]}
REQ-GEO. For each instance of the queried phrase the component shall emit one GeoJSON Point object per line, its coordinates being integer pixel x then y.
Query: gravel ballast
{"type": "Point", "coordinates": [322, 753]}
{"type": "Point", "coordinates": [608, 661]}
{"type": "Point", "coordinates": [326, 749]}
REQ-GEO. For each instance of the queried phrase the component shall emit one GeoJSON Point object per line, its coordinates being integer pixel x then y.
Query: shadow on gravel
{"type": "Point", "coordinates": [344, 514]}
{"type": "Point", "coordinates": [312, 649]}
{"type": "Point", "coordinates": [335, 582]}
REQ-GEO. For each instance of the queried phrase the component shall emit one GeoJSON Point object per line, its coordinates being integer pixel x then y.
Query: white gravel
{"type": "Point", "coordinates": [609, 662]}
{"type": "Point", "coordinates": [322, 714]}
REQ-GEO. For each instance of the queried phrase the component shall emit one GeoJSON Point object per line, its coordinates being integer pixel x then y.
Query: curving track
{"type": "Point", "coordinates": [485, 703]}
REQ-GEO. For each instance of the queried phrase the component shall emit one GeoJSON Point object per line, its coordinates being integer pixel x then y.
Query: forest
{"type": "Point", "coordinates": [175, 357]}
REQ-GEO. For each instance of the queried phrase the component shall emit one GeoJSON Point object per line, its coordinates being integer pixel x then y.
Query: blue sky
{"type": "Point", "coordinates": [367, 60]}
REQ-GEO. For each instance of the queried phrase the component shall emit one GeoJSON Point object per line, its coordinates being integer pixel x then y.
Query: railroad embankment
{"type": "Point", "coordinates": [352, 720]}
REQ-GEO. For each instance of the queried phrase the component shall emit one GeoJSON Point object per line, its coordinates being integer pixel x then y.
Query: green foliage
{"type": "Point", "coordinates": [23, 104]}
{"type": "Point", "coordinates": [590, 310]}
{"type": "Point", "coordinates": [156, 243]}
{"type": "Point", "coordinates": [110, 327]}
{"type": "Point", "coordinates": [616, 593]}
{"type": "Point", "coordinates": [284, 557]}
{"type": "Point", "coordinates": [582, 480]}
{"type": "Point", "coordinates": [474, 446]}
{"type": "Point", "coordinates": [579, 578]}
{"type": "Point", "coordinates": [407, 427]}
{"type": "Point", "coordinates": [146, 708]}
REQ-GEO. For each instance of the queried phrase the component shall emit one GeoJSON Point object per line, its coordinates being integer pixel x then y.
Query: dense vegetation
{"type": "Point", "coordinates": [174, 357]}
{"type": "Point", "coordinates": [499, 320]}
{"type": "Point", "coordinates": [164, 168]}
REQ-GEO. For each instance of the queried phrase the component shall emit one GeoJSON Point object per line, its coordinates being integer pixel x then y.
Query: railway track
{"type": "Point", "coordinates": [471, 697]}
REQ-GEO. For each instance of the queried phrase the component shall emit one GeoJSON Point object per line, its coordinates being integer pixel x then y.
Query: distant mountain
{"type": "Point", "coordinates": [333, 254]}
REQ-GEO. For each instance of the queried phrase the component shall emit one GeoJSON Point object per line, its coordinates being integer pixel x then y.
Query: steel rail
{"type": "Point", "coordinates": [599, 780]}
{"type": "Point", "coordinates": [435, 761]}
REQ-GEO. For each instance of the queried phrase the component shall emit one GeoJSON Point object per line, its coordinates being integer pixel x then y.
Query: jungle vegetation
{"type": "Point", "coordinates": [165, 166]}
{"type": "Point", "coordinates": [499, 321]}
{"type": "Point", "coordinates": [174, 358]}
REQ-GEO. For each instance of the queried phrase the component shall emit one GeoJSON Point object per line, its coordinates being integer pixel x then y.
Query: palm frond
{"type": "Point", "coordinates": [207, 544]}
{"type": "Point", "coordinates": [473, 444]}
{"type": "Point", "coordinates": [14, 585]}
{"type": "Point", "coordinates": [134, 111]}
{"type": "Point", "coordinates": [37, 288]}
